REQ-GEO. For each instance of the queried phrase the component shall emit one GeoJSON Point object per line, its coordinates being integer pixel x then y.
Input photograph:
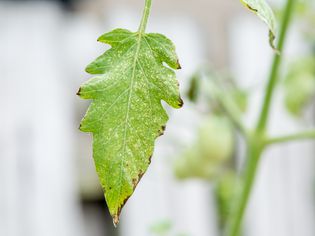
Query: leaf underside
{"type": "Point", "coordinates": [265, 13]}
{"type": "Point", "coordinates": [126, 114]}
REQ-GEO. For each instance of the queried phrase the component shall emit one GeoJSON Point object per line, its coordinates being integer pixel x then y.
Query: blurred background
{"type": "Point", "coordinates": [48, 184]}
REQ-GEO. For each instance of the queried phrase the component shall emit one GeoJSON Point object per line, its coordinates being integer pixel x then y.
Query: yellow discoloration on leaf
{"type": "Point", "coordinates": [126, 115]}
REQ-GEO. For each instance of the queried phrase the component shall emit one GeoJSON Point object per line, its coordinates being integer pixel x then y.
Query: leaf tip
{"type": "Point", "coordinates": [115, 220]}
{"type": "Point", "coordinates": [88, 69]}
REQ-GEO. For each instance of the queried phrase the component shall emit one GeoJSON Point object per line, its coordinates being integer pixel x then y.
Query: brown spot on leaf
{"type": "Point", "coordinates": [116, 220]}
{"type": "Point", "coordinates": [163, 127]}
{"type": "Point", "coordinates": [135, 181]}
{"type": "Point", "coordinates": [79, 92]}
{"type": "Point", "coordinates": [252, 9]}
{"type": "Point", "coordinates": [161, 131]}
{"type": "Point", "coordinates": [181, 102]}
{"type": "Point", "coordinates": [178, 65]}
{"type": "Point", "coordinates": [116, 216]}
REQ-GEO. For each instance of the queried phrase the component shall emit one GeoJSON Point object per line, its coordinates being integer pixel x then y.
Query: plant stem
{"type": "Point", "coordinates": [256, 142]}
{"type": "Point", "coordinates": [254, 151]}
{"type": "Point", "coordinates": [145, 16]}
{"type": "Point", "coordinates": [293, 137]}
{"type": "Point", "coordinates": [274, 73]}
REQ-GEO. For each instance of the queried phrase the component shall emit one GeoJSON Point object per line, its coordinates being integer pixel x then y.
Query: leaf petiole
{"type": "Point", "coordinates": [145, 16]}
{"type": "Point", "coordinates": [292, 137]}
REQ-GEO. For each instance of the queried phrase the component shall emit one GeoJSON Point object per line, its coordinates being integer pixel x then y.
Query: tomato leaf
{"type": "Point", "coordinates": [265, 13]}
{"type": "Point", "coordinates": [126, 115]}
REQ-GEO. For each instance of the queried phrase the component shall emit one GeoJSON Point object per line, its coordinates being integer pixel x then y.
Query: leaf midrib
{"type": "Point", "coordinates": [128, 110]}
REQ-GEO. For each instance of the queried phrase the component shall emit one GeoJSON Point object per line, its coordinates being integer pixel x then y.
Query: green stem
{"type": "Point", "coordinates": [145, 16]}
{"type": "Point", "coordinates": [274, 73]}
{"type": "Point", "coordinates": [256, 143]}
{"type": "Point", "coordinates": [254, 152]}
{"type": "Point", "coordinates": [293, 137]}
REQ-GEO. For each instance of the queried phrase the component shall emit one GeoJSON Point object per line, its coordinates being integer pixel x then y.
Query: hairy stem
{"type": "Point", "coordinates": [292, 137]}
{"type": "Point", "coordinates": [274, 73]}
{"type": "Point", "coordinates": [145, 16]}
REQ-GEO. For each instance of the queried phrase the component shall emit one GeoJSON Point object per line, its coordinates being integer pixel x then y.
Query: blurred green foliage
{"type": "Point", "coordinates": [210, 153]}
{"type": "Point", "coordinates": [226, 190]}
{"type": "Point", "coordinates": [161, 228]}
{"type": "Point", "coordinates": [211, 156]}
{"type": "Point", "coordinates": [299, 82]}
{"type": "Point", "coordinates": [214, 87]}
{"type": "Point", "coordinates": [299, 85]}
{"type": "Point", "coordinates": [164, 228]}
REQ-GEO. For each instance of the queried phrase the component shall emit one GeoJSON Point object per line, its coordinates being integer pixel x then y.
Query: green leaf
{"type": "Point", "coordinates": [265, 13]}
{"type": "Point", "coordinates": [126, 115]}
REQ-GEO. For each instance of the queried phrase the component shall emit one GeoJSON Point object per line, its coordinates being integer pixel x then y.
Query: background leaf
{"type": "Point", "coordinates": [265, 13]}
